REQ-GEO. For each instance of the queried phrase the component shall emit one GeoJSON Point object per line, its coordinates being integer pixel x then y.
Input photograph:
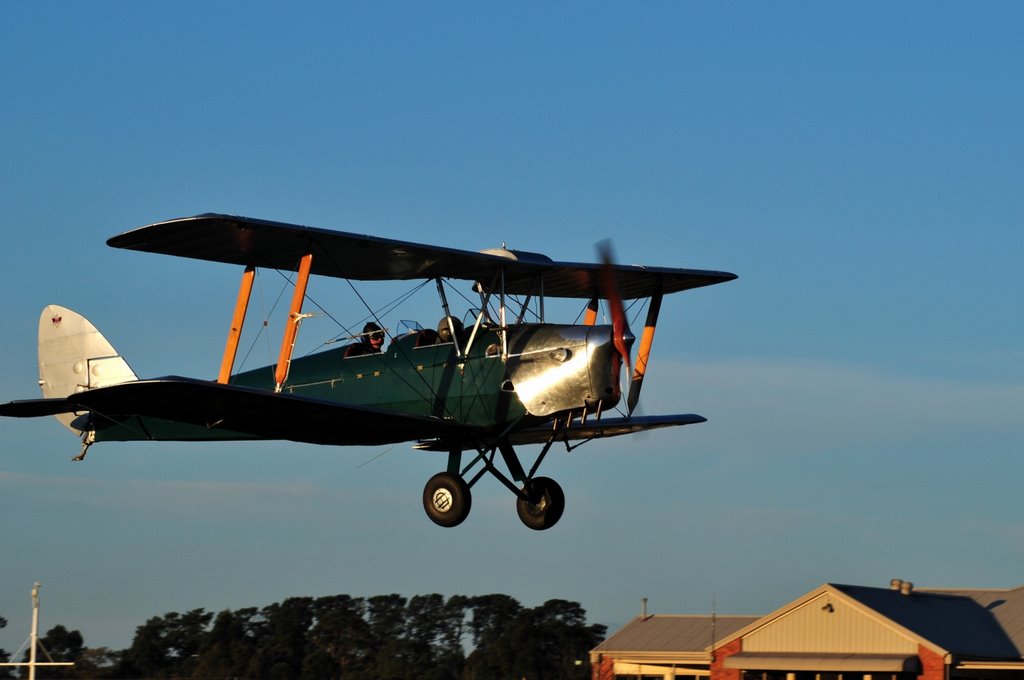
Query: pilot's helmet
{"type": "Point", "coordinates": [444, 329]}
{"type": "Point", "coordinates": [372, 331]}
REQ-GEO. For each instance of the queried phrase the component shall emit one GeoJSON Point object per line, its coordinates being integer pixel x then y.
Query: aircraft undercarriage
{"type": "Point", "coordinates": [447, 498]}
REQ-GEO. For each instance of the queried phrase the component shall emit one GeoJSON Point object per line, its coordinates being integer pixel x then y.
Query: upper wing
{"type": "Point", "coordinates": [277, 245]}
{"type": "Point", "coordinates": [244, 410]}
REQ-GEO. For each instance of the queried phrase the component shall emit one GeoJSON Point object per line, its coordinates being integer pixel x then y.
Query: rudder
{"type": "Point", "coordinates": [75, 357]}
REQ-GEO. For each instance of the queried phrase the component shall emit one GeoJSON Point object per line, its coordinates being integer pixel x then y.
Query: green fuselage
{"type": "Point", "coordinates": [426, 380]}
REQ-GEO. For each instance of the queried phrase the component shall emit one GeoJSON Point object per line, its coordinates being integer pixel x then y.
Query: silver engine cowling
{"type": "Point", "coordinates": [557, 368]}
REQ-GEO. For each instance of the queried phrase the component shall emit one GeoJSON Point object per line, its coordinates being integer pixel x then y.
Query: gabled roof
{"type": "Point", "coordinates": [668, 634]}
{"type": "Point", "coordinates": [975, 623]}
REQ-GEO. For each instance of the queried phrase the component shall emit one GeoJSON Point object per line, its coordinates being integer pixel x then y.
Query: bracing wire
{"type": "Point", "coordinates": [265, 323]}
{"type": "Point", "coordinates": [430, 391]}
{"type": "Point", "coordinates": [347, 333]}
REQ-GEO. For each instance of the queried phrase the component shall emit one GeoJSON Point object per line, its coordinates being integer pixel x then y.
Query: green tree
{"type": "Point", "coordinates": [491, 655]}
{"type": "Point", "coordinates": [147, 656]}
{"type": "Point", "coordinates": [341, 645]}
{"type": "Point", "coordinates": [387, 637]}
{"type": "Point", "coordinates": [418, 638]}
{"type": "Point", "coordinates": [546, 642]}
{"type": "Point", "coordinates": [491, 613]}
{"type": "Point", "coordinates": [59, 644]}
{"type": "Point", "coordinates": [4, 656]}
{"type": "Point", "coordinates": [227, 650]}
{"type": "Point", "coordinates": [97, 663]}
{"type": "Point", "coordinates": [542, 643]}
{"type": "Point", "coordinates": [425, 623]}
{"type": "Point", "coordinates": [386, 618]}
{"type": "Point", "coordinates": [282, 648]}
{"type": "Point", "coordinates": [167, 646]}
{"type": "Point", "coordinates": [444, 624]}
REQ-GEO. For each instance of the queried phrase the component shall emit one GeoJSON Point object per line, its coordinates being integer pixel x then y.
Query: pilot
{"type": "Point", "coordinates": [373, 338]}
{"type": "Point", "coordinates": [444, 329]}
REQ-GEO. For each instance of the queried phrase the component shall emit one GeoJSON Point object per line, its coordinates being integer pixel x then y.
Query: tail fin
{"type": "Point", "coordinates": [74, 357]}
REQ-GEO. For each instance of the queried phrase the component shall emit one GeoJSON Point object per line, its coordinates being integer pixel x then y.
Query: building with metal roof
{"type": "Point", "coordinates": [834, 632]}
{"type": "Point", "coordinates": [664, 646]}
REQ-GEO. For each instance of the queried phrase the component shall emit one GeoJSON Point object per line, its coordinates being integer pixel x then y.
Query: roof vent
{"type": "Point", "coordinates": [906, 588]}
{"type": "Point", "coordinates": [896, 583]}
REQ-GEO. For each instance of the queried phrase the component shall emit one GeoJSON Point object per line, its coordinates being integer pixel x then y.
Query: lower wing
{"type": "Point", "coordinates": [596, 429]}
{"type": "Point", "coordinates": [256, 413]}
{"type": "Point", "coordinates": [606, 427]}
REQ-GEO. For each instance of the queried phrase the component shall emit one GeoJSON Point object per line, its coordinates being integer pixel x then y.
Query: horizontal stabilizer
{"type": "Point", "coordinates": [34, 408]}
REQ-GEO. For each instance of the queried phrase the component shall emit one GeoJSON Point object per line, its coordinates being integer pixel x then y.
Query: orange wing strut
{"type": "Point", "coordinates": [292, 325]}
{"type": "Point", "coordinates": [590, 318]}
{"type": "Point", "coordinates": [235, 332]}
{"type": "Point", "coordinates": [643, 354]}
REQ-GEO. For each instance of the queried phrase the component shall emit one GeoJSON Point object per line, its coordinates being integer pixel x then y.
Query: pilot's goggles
{"type": "Point", "coordinates": [379, 335]}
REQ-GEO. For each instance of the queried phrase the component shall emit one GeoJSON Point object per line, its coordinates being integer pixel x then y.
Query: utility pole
{"type": "Point", "coordinates": [34, 635]}
{"type": "Point", "coordinates": [33, 640]}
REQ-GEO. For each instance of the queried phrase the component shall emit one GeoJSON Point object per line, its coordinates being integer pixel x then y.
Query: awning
{"type": "Point", "coordinates": [658, 670]}
{"type": "Point", "coordinates": [990, 666]}
{"type": "Point", "coordinates": [868, 663]}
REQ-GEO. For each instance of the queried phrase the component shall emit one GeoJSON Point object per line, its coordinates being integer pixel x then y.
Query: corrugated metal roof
{"type": "Point", "coordinates": [1007, 606]}
{"type": "Point", "coordinates": [975, 623]}
{"type": "Point", "coordinates": [673, 634]}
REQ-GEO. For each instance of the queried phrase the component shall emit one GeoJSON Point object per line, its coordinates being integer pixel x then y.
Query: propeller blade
{"type": "Point", "coordinates": [622, 338]}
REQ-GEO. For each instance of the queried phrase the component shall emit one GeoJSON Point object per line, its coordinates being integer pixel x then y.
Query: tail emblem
{"type": "Point", "coordinates": [56, 320]}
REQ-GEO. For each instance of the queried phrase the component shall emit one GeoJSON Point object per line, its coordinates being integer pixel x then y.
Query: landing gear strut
{"type": "Point", "coordinates": [540, 501]}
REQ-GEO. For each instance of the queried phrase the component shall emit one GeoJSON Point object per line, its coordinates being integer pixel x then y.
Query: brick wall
{"type": "Point", "coordinates": [933, 666]}
{"type": "Point", "coordinates": [719, 672]}
{"type": "Point", "coordinates": [603, 669]}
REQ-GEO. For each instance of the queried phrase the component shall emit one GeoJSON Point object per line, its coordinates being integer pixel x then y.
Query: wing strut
{"type": "Point", "coordinates": [235, 332]}
{"type": "Point", "coordinates": [644, 353]}
{"type": "Point", "coordinates": [291, 328]}
{"type": "Point", "coordinates": [590, 318]}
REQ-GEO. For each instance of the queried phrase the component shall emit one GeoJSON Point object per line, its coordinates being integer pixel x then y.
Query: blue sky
{"type": "Point", "coordinates": [858, 165]}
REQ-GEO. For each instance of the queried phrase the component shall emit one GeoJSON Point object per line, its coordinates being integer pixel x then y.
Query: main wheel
{"type": "Point", "coordinates": [447, 499]}
{"type": "Point", "coordinates": [546, 504]}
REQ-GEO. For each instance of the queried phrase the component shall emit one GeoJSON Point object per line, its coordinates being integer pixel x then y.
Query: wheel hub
{"type": "Point", "coordinates": [442, 500]}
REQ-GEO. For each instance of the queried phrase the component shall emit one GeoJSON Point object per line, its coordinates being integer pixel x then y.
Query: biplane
{"type": "Point", "coordinates": [500, 378]}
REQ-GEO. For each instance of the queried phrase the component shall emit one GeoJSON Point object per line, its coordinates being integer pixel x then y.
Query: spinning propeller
{"type": "Point", "coordinates": [622, 337]}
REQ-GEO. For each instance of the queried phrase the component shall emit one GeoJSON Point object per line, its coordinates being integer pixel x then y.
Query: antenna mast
{"type": "Point", "coordinates": [714, 621]}
{"type": "Point", "coordinates": [33, 640]}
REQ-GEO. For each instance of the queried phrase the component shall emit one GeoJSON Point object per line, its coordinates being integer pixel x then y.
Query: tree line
{"type": "Point", "coordinates": [385, 637]}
